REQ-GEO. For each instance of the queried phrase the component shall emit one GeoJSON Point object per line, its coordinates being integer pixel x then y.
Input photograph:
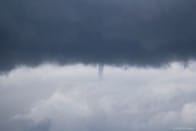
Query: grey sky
{"type": "Point", "coordinates": [56, 98]}
{"type": "Point", "coordinates": [52, 51]}
{"type": "Point", "coordinates": [134, 32]}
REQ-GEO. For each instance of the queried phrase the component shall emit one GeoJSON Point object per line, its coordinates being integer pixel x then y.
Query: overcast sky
{"type": "Point", "coordinates": [74, 98]}
{"type": "Point", "coordinates": [134, 32]}
{"type": "Point", "coordinates": [97, 65]}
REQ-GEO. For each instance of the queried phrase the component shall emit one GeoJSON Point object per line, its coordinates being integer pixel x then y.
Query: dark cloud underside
{"type": "Point", "coordinates": [137, 32]}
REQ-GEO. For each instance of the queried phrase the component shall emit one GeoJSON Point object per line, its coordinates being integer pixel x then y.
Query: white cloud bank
{"type": "Point", "coordinates": [73, 98]}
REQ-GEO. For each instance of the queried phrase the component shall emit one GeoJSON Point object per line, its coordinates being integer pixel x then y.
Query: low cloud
{"type": "Point", "coordinates": [134, 32]}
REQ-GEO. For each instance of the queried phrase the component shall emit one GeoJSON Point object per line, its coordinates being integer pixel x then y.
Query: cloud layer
{"type": "Point", "coordinates": [53, 98]}
{"type": "Point", "coordinates": [136, 32]}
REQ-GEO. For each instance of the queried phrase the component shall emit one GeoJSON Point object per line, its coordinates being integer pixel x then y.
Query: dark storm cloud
{"type": "Point", "coordinates": [137, 32]}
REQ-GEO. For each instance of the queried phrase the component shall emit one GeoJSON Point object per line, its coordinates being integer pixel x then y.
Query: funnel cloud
{"type": "Point", "coordinates": [100, 70]}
